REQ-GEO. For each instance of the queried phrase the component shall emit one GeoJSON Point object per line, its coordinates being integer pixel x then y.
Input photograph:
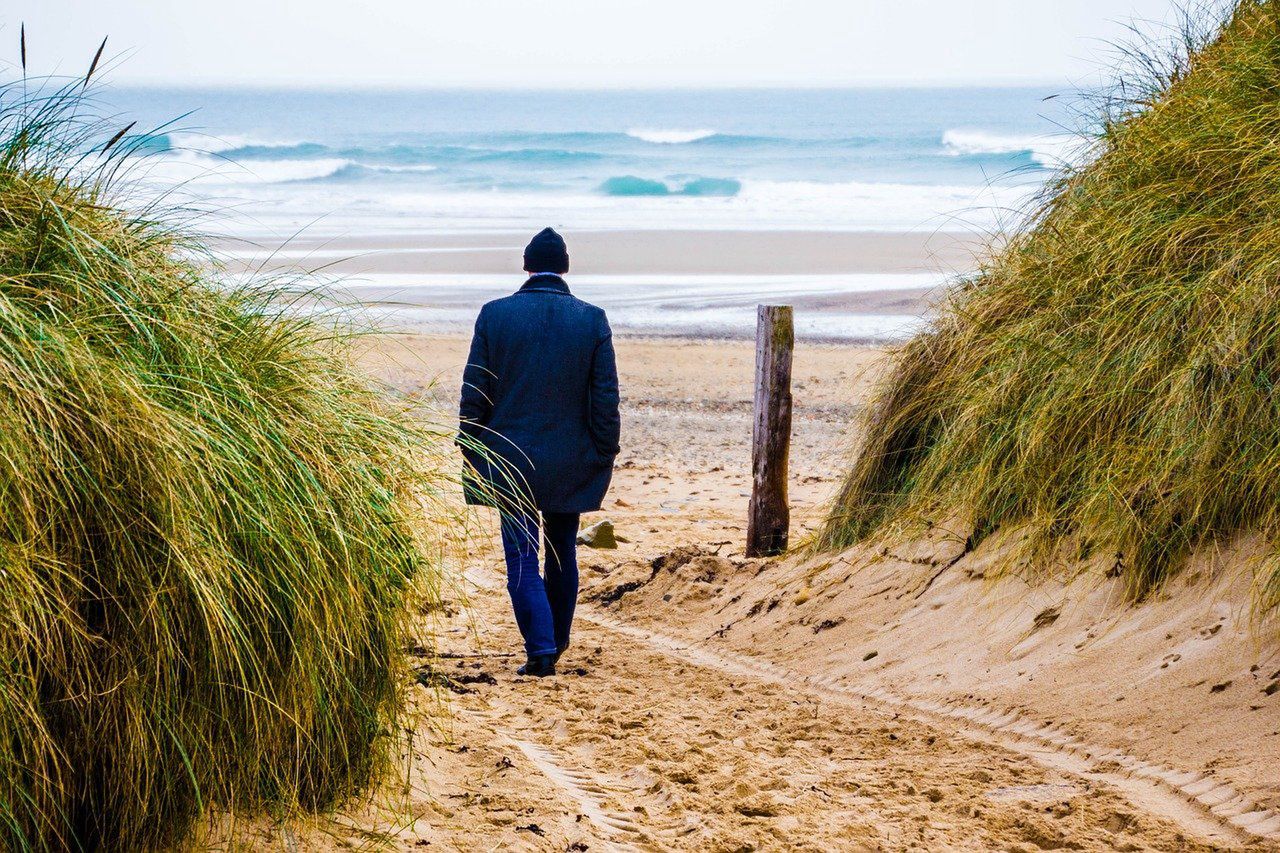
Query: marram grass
{"type": "Point", "coordinates": [210, 523]}
{"type": "Point", "coordinates": [1109, 384]}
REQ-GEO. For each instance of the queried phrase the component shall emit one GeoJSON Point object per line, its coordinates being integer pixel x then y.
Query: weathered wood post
{"type": "Point", "coordinates": [770, 516]}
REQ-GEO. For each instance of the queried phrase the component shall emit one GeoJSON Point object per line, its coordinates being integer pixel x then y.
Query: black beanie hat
{"type": "Point", "coordinates": [546, 252]}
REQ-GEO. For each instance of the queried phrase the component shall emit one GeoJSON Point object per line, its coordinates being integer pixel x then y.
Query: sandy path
{"type": "Point", "coordinates": [648, 743]}
{"type": "Point", "coordinates": [651, 739]}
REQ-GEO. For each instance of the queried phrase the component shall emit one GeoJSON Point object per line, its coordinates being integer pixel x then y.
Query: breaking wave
{"type": "Point", "coordinates": [630, 185]}
{"type": "Point", "coordinates": [670, 137]}
{"type": "Point", "coordinates": [1044, 150]}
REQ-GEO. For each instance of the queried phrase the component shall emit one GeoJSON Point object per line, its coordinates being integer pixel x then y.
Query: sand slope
{"type": "Point", "coordinates": [1181, 682]}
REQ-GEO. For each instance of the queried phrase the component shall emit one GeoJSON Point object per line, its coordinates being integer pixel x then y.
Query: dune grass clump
{"type": "Point", "coordinates": [1110, 381]}
{"type": "Point", "coordinates": [210, 527]}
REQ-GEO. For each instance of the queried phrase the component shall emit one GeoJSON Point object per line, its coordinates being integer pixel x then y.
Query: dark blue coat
{"type": "Point", "coordinates": [540, 393]}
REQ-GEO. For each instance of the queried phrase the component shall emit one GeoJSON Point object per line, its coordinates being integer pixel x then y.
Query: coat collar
{"type": "Point", "coordinates": [545, 284]}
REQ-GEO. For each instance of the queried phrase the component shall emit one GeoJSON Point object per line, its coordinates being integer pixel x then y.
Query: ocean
{"type": "Point", "coordinates": [862, 159]}
{"type": "Point", "coordinates": [452, 182]}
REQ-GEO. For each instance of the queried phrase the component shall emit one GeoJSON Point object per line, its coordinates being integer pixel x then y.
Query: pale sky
{"type": "Point", "coordinates": [575, 43]}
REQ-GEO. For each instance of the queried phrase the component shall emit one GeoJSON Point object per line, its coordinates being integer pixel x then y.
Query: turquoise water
{"type": "Point", "coordinates": [451, 160]}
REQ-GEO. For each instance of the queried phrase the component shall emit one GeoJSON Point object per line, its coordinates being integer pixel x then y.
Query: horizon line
{"type": "Point", "coordinates": [385, 86]}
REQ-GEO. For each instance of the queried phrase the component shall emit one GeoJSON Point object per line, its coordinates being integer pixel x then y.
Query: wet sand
{"type": "Point", "coordinates": [853, 287]}
{"type": "Point", "coordinates": [622, 252]}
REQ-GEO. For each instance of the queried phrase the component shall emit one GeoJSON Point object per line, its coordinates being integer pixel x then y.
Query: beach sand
{"type": "Point", "coordinates": [883, 698]}
{"type": "Point", "coordinates": [852, 701]}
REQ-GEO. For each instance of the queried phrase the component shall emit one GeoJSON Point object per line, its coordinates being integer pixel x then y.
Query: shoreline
{"type": "Point", "coordinates": [830, 308]}
{"type": "Point", "coordinates": [846, 287]}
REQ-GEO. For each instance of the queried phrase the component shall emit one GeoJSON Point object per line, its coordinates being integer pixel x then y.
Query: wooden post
{"type": "Point", "coordinates": [770, 517]}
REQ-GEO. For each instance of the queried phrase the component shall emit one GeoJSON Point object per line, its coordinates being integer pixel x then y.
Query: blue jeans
{"type": "Point", "coordinates": [544, 609]}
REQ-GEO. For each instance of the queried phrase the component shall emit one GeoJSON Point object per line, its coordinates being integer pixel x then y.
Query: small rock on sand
{"type": "Point", "coordinates": [599, 535]}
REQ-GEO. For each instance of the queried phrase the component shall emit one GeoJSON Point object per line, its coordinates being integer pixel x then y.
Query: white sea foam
{"type": "Point", "coordinates": [1045, 150]}
{"type": "Point", "coordinates": [766, 205]}
{"type": "Point", "coordinates": [285, 171]}
{"type": "Point", "coordinates": [207, 143]}
{"type": "Point", "coordinates": [669, 137]}
{"type": "Point", "coordinates": [189, 167]}
{"type": "Point", "coordinates": [858, 205]}
{"type": "Point", "coordinates": [416, 168]}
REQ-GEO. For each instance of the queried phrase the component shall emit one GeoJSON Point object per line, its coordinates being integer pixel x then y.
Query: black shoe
{"type": "Point", "coordinates": [539, 666]}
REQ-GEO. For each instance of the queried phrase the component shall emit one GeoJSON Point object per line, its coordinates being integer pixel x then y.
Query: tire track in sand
{"type": "Point", "coordinates": [1195, 801]}
{"type": "Point", "coordinates": [618, 830]}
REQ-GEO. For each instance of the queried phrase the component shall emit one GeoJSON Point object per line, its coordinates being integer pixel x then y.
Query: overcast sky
{"type": "Point", "coordinates": [575, 43]}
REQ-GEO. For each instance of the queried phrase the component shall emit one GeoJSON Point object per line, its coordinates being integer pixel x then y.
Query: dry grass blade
{"type": "Point", "coordinates": [213, 531]}
{"type": "Point", "coordinates": [1110, 383]}
{"type": "Point", "coordinates": [93, 66]}
{"type": "Point", "coordinates": [111, 143]}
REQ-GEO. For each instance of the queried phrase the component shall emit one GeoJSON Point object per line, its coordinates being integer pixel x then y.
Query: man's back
{"type": "Point", "coordinates": [541, 347]}
{"type": "Point", "coordinates": [540, 391]}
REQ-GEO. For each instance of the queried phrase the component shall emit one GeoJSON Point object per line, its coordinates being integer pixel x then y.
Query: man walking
{"type": "Point", "coordinates": [540, 431]}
